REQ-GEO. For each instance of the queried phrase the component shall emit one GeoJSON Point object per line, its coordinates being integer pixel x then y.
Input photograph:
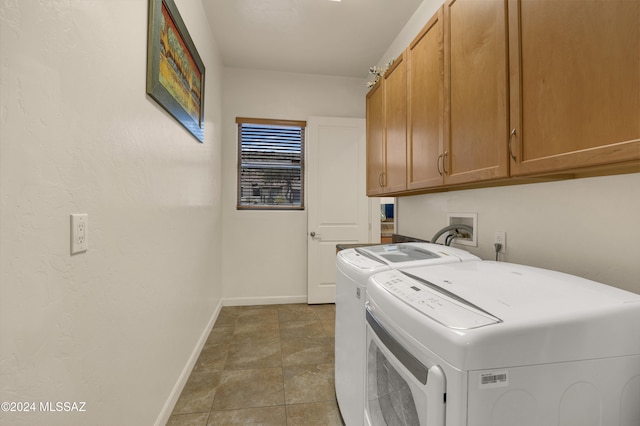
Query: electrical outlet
{"type": "Point", "coordinates": [501, 238]}
{"type": "Point", "coordinates": [79, 233]}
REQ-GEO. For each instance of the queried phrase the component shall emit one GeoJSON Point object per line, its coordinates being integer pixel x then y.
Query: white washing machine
{"type": "Point", "coordinates": [354, 267]}
{"type": "Point", "coordinates": [498, 344]}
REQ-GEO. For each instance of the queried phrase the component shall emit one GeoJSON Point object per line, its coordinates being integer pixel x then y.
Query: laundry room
{"type": "Point", "coordinates": [179, 295]}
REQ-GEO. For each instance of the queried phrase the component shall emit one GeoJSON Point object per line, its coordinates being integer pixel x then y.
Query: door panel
{"type": "Point", "coordinates": [426, 106]}
{"type": "Point", "coordinates": [477, 87]}
{"type": "Point", "coordinates": [338, 208]}
{"type": "Point", "coordinates": [395, 115]}
{"type": "Point", "coordinates": [375, 140]}
{"type": "Point", "coordinates": [575, 84]}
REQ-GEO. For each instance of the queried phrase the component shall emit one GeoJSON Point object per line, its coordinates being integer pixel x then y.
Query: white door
{"type": "Point", "coordinates": [338, 208]}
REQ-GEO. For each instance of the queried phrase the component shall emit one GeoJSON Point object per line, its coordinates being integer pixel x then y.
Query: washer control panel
{"type": "Point", "coordinates": [360, 261]}
{"type": "Point", "coordinates": [449, 311]}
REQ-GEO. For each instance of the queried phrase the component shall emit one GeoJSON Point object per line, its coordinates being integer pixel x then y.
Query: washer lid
{"type": "Point", "coordinates": [391, 254]}
{"type": "Point", "coordinates": [394, 253]}
{"type": "Point", "coordinates": [360, 263]}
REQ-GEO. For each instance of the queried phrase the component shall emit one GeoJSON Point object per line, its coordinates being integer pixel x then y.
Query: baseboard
{"type": "Point", "coordinates": [267, 300]}
{"type": "Point", "coordinates": [167, 409]}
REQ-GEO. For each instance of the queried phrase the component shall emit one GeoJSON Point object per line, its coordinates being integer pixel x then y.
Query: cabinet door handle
{"type": "Point", "coordinates": [444, 162]}
{"type": "Point", "coordinates": [438, 163]}
{"type": "Point", "coordinates": [381, 179]}
{"type": "Point", "coordinates": [511, 135]}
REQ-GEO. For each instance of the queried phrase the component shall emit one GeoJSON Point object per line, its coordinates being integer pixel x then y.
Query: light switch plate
{"type": "Point", "coordinates": [79, 233]}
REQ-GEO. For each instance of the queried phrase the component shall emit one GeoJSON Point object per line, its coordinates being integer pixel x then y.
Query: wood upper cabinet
{"type": "Point", "coordinates": [395, 103]}
{"type": "Point", "coordinates": [575, 84]}
{"type": "Point", "coordinates": [375, 140]}
{"type": "Point", "coordinates": [387, 132]}
{"type": "Point", "coordinates": [492, 89]}
{"type": "Point", "coordinates": [425, 98]}
{"type": "Point", "coordinates": [476, 91]}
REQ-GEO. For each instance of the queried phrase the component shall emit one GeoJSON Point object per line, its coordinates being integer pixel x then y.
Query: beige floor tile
{"type": "Point", "coordinates": [198, 419]}
{"type": "Point", "coordinates": [302, 329]}
{"type": "Point", "coordinates": [315, 413]}
{"type": "Point", "coordinates": [296, 312]}
{"type": "Point", "coordinates": [258, 314]}
{"type": "Point", "coordinates": [198, 393]}
{"type": "Point", "coordinates": [267, 416]}
{"type": "Point", "coordinates": [220, 334]}
{"type": "Point", "coordinates": [248, 354]}
{"type": "Point", "coordinates": [249, 388]}
{"type": "Point", "coordinates": [309, 383]}
{"type": "Point", "coordinates": [255, 359]}
{"type": "Point", "coordinates": [227, 316]}
{"type": "Point", "coordinates": [325, 312]}
{"type": "Point", "coordinates": [329, 327]}
{"type": "Point", "coordinates": [212, 357]}
{"type": "Point", "coordinates": [307, 351]}
{"type": "Point", "coordinates": [256, 330]}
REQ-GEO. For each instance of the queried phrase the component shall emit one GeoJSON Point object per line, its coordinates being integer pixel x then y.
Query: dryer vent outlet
{"type": "Point", "coordinates": [469, 219]}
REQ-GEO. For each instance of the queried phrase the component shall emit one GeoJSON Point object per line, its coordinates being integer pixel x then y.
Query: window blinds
{"type": "Point", "coordinates": [270, 165]}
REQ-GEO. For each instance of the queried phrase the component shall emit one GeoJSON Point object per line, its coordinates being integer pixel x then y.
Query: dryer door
{"type": "Point", "coordinates": [400, 389]}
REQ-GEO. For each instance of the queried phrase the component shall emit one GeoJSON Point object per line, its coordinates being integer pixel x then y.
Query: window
{"type": "Point", "coordinates": [270, 164]}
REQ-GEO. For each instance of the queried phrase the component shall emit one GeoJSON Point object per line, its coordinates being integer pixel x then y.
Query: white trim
{"type": "Point", "coordinates": [266, 300]}
{"type": "Point", "coordinates": [167, 409]}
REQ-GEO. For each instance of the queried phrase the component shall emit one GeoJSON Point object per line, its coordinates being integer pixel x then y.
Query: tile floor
{"type": "Point", "coordinates": [267, 365]}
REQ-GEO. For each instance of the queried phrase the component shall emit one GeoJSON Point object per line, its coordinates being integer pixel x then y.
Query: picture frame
{"type": "Point", "coordinates": [175, 71]}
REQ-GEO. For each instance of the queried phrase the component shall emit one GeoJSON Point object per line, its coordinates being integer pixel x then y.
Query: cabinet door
{"type": "Point", "coordinates": [575, 82]}
{"type": "Point", "coordinates": [395, 112]}
{"type": "Point", "coordinates": [425, 62]}
{"type": "Point", "coordinates": [476, 91]}
{"type": "Point", "coordinates": [375, 140]}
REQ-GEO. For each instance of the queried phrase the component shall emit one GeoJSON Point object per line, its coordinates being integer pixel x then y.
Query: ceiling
{"type": "Point", "coordinates": [339, 38]}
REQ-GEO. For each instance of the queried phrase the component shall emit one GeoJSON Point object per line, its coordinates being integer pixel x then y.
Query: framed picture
{"type": "Point", "coordinates": [175, 72]}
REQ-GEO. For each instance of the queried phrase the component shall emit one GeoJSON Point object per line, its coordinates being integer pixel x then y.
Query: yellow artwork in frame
{"type": "Point", "coordinates": [175, 72]}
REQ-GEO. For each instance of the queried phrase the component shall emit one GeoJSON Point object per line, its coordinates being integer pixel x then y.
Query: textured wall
{"type": "Point", "coordinates": [113, 327]}
{"type": "Point", "coordinates": [586, 227]}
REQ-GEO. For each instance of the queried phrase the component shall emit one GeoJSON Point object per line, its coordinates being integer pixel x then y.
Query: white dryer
{"type": "Point", "coordinates": [498, 344]}
{"type": "Point", "coordinates": [354, 267]}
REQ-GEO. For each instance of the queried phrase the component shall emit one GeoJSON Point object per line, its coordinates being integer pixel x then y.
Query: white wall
{"type": "Point", "coordinates": [420, 17]}
{"type": "Point", "coordinates": [587, 227]}
{"type": "Point", "coordinates": [116, 326]}
{"type": "Point", "coordinates": [265, 252]}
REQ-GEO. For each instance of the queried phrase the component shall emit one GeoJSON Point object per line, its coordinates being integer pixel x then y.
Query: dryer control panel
{"type": "Point", "coordinates": [446, 309]}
